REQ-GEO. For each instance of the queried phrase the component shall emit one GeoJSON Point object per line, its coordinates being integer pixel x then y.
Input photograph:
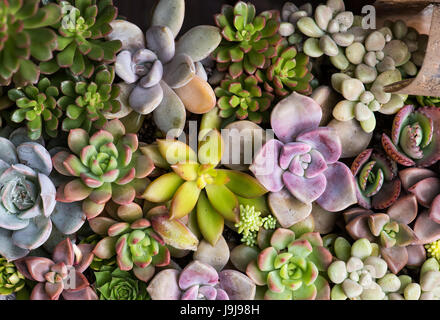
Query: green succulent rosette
{"type": "Point", "coordinates": [25, 39]}
{"type": "Point", "coordinates": [37, 106]}
{"type": "Point", "coordinates": [289, 71]}
{"type": "Point", "coordinates": [249, 41]}
{"type": "Point", "coordinates": [11, 280]}
{"type": "Point", "coordinates": [85, 101]}
{"type": "Point", "coordinates": [115, 284]}
{"type": "Point", "coordinates": [243, 98]}
{"type": "Point", "coordinates": [81, 34]}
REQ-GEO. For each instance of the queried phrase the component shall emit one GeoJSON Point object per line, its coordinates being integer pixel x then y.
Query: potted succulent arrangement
{"type": "Point", "coordinates": [264, 155]}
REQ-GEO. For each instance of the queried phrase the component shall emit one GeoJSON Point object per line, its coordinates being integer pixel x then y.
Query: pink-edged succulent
{"type": "Point", "coordinates": [305, 158]}
{"type": "Point", "coordinates": [424, 184]}
{"type": "Point", "coordinates": [105, 165]}
{"type": "Point", "coordinates": [414, 137]}
{"type": "Point", "coordinates": [290, 267]}
{"type": "Point", "coordinates": [377, 183]}
{"type": "Point", "coordinates": [200, 281]}
{"type": "Point", "coordinates": [140, 241]}
{"type": "Point", "coordinates": [391, 230]}
{"type": "Point", "coordinates": [62, 275]}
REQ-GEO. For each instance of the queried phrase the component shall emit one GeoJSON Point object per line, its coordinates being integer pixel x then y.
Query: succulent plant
{"type": "Point", "coordinates": [356, 271]}
{"type": "Point", "coordinates": [243, 98]}
{"type": "Point", "coordinates": [428, 287]}
{"type": "Point", "coordinates": [249, 40]}
{"type": "Point", "coordinates": [251, 222]}
{"type": "Point", "coordinates": [200, 281]}
{"type": "Point", "coordinates": [290, 14]}
{"type": "Point", "coordinates": [105, 165]}
{"type": "Point", "coordinates": [11, 280]}
{"type": "Point", "coordinates": [165, 76]}
{"type": "Point", "coordinates": [85, 101]}
{"type": "Point", "coordinates": [377, 183]}
{"type": "Point", "coordinates": [136, 246]}
{"type": "Point", "coordinates": [290, 71]}
{"type": "Point", "coordinates": [62, 275]}
{"type": "Point", "coordinates": [427, 101]}
{"type": "Point", "coordinates": [114, 284]}
{"type": "Point", "coordinates": [391, 231]}
{"type": "Point", "coordinates": [195, 183]}
{"type": "Point", "coordinates": [37, 106]}
{"type": "Point", "coordinates": [414, 137]}
{"type": "Point", "coordinates": [24, 34]}
{"type": "Point", "coordinates": [305, 158]}
{"type": "Point", "coordinates": [98, 264]}
{"type": "Point", "coordinates": [81, 33]}
{"type": "Point", "coordinates": [360, 104]}
{"type": "Point", "coordinates": [290, 267]}
{"type": "Point", "coordinates": [327, 30]}
{"type": "Point", "coordinates": [424, 184]}
{"type": "Point", "coordinates": [28, 195]}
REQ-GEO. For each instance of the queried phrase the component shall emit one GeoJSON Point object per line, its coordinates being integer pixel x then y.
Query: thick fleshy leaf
{"type": "Point", "coordinates": [426, 190]}
{"type": "Point", "coordinates": [358, 228]}
{"type": "Point", "coordinates": [8, 249]}
{"type": "Point", "coordinates": [37, 267]}
{"type": "Point", "coordinates": [176, 151]}
{"type": "Point", "coordinates": [281, 238]}
{"type": "Point", "coordinates": [100, 225]}
{"type": "Point", "coordinates": [306, 190]}
{"type": "Point", "coordinates": [68, 217]}
{"type": "Point", "coordinates": [404, 210]}
{"type": "Point", "coordinates": [74, 190]}
{"type": "Point", "coordinates": [243, 184]}
{"type": "Point", "coordinates": [35, 156]}
{"type": "Point", "coordinates": [105, 249]}
{"type": "Point", "coordinates": [266, 259]}
{"type": "Point", "coordinates": [287, 209]}
{"type": "Point", "coordinates": [325, 140]}
{"type": "Point", "coordinates": [209, 221]}
{"type": "Point", "coordinates": [184, 200]}
{"type": "Point", "coordinates": [211, 148]}
{"type": "Point", "coordinates": [396, 258]}
{"type": "Point", "coordinates": [164, 286]}
{"type": "Point", "coordinates": [425, 229]}
{"type": "Point", "coordinates": [223, 201]}
{"type": "Point", "coordinates": [340, 191]}
{"type": "Point", "coordinates": [174, 233]}
{"type": "Point", "coordinates": [34, 235]}
{"type": "Point", "coordinates": [293, 115]}
{"type": "Point", "coordinates": [255, 274]}
{"type": "Point", "coordinates": [77, 140]}
{"type": "Point", "coordinates": [47, 194]}
{"type": "Point", "coordinates": [237, 285]}
{"type": "Point", "coordinates": [199, 42]}
{"type": "Point", "coordinates": [163, 188]}
{"type": "Point", "coordinates": [187, 170]}
{"type": "Point", "coordinates": [7, 151]}
{"type": "Point", "coordinates": [265, 166]}
{"type": "Point", "coordinates": [64, 252]}
{"type": "Point", "coordinates": [411, 176]}
{"type": "Point", "coordinates": [197, 273]}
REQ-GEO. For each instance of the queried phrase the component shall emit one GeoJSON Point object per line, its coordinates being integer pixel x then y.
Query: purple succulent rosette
{"type": "Point", "coordinates": [197, 281]}
{"type": "Point", "coordinates": [28, 206]}
{"type": "Point", "coordinates": [305, 158]}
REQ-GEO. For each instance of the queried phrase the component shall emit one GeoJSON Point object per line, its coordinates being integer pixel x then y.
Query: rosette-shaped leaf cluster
{"type": "Point", "coordinates": [196, 183]}
{"type": "Point", "coordinates": [305, 158]}
{"type": "Point", "coordinates": [289, 71]}
{"type": "Point", "coordinates": [84, 102]}
{"type": "Point", "coordinates": [377, 183]}
{"type": "Point", "coordinates": [290, 267]}
{"type": "Point", "coordinates": [28, 195]}
{"type": "Point", "coordinates": [115, 284]}
{"type": "Point", "coordinates": [243, 98]}
{"type": "Point", "coordinates": [197, 281]}
{"type": "Point", "coordinates": [37, 106]}
{"type": "Point", "coordinates": [327, 30]}
{"type": "Point", "coordinates": [356, 272]}
{"type": "Point", "coordinates": [414, 137]}
{"type": "Point", "coordinates": [290, 14]}
{"type": "Point", "coordinates": [62, 275]}
{"type": "Point", "coordinates": [136, 246]}
{"type": "Point", "coordinates": [200, 281]}
{"type": "Point", "coordinates": [24, 34]}
{"type": "Point", "coordinates": [81, 33]}
{"type": "Point", "coordinates": [11, 280]}
{"type": "Point", "coordinates": [249, 40]}
{"type": "Point", "coordinates": [398, 242]}
{"type": "Point", "coordinates": [162, 75]}
{"type": "Point", "coordinates": [105, 165]}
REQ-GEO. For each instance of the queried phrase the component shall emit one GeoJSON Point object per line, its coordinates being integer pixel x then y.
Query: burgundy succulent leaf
{"type": "Point", "coordinates": [305, 159]}
{"type": "Point", "coordinates": [390, 230]}
{"type": "Point", "coordinates": [61, 275]}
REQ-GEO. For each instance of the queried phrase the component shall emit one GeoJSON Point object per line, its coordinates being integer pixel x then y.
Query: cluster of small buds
{"type": "Point", "coordinates": [250, 222]}
{"type": "Point", "coordinates": [433, 249]}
